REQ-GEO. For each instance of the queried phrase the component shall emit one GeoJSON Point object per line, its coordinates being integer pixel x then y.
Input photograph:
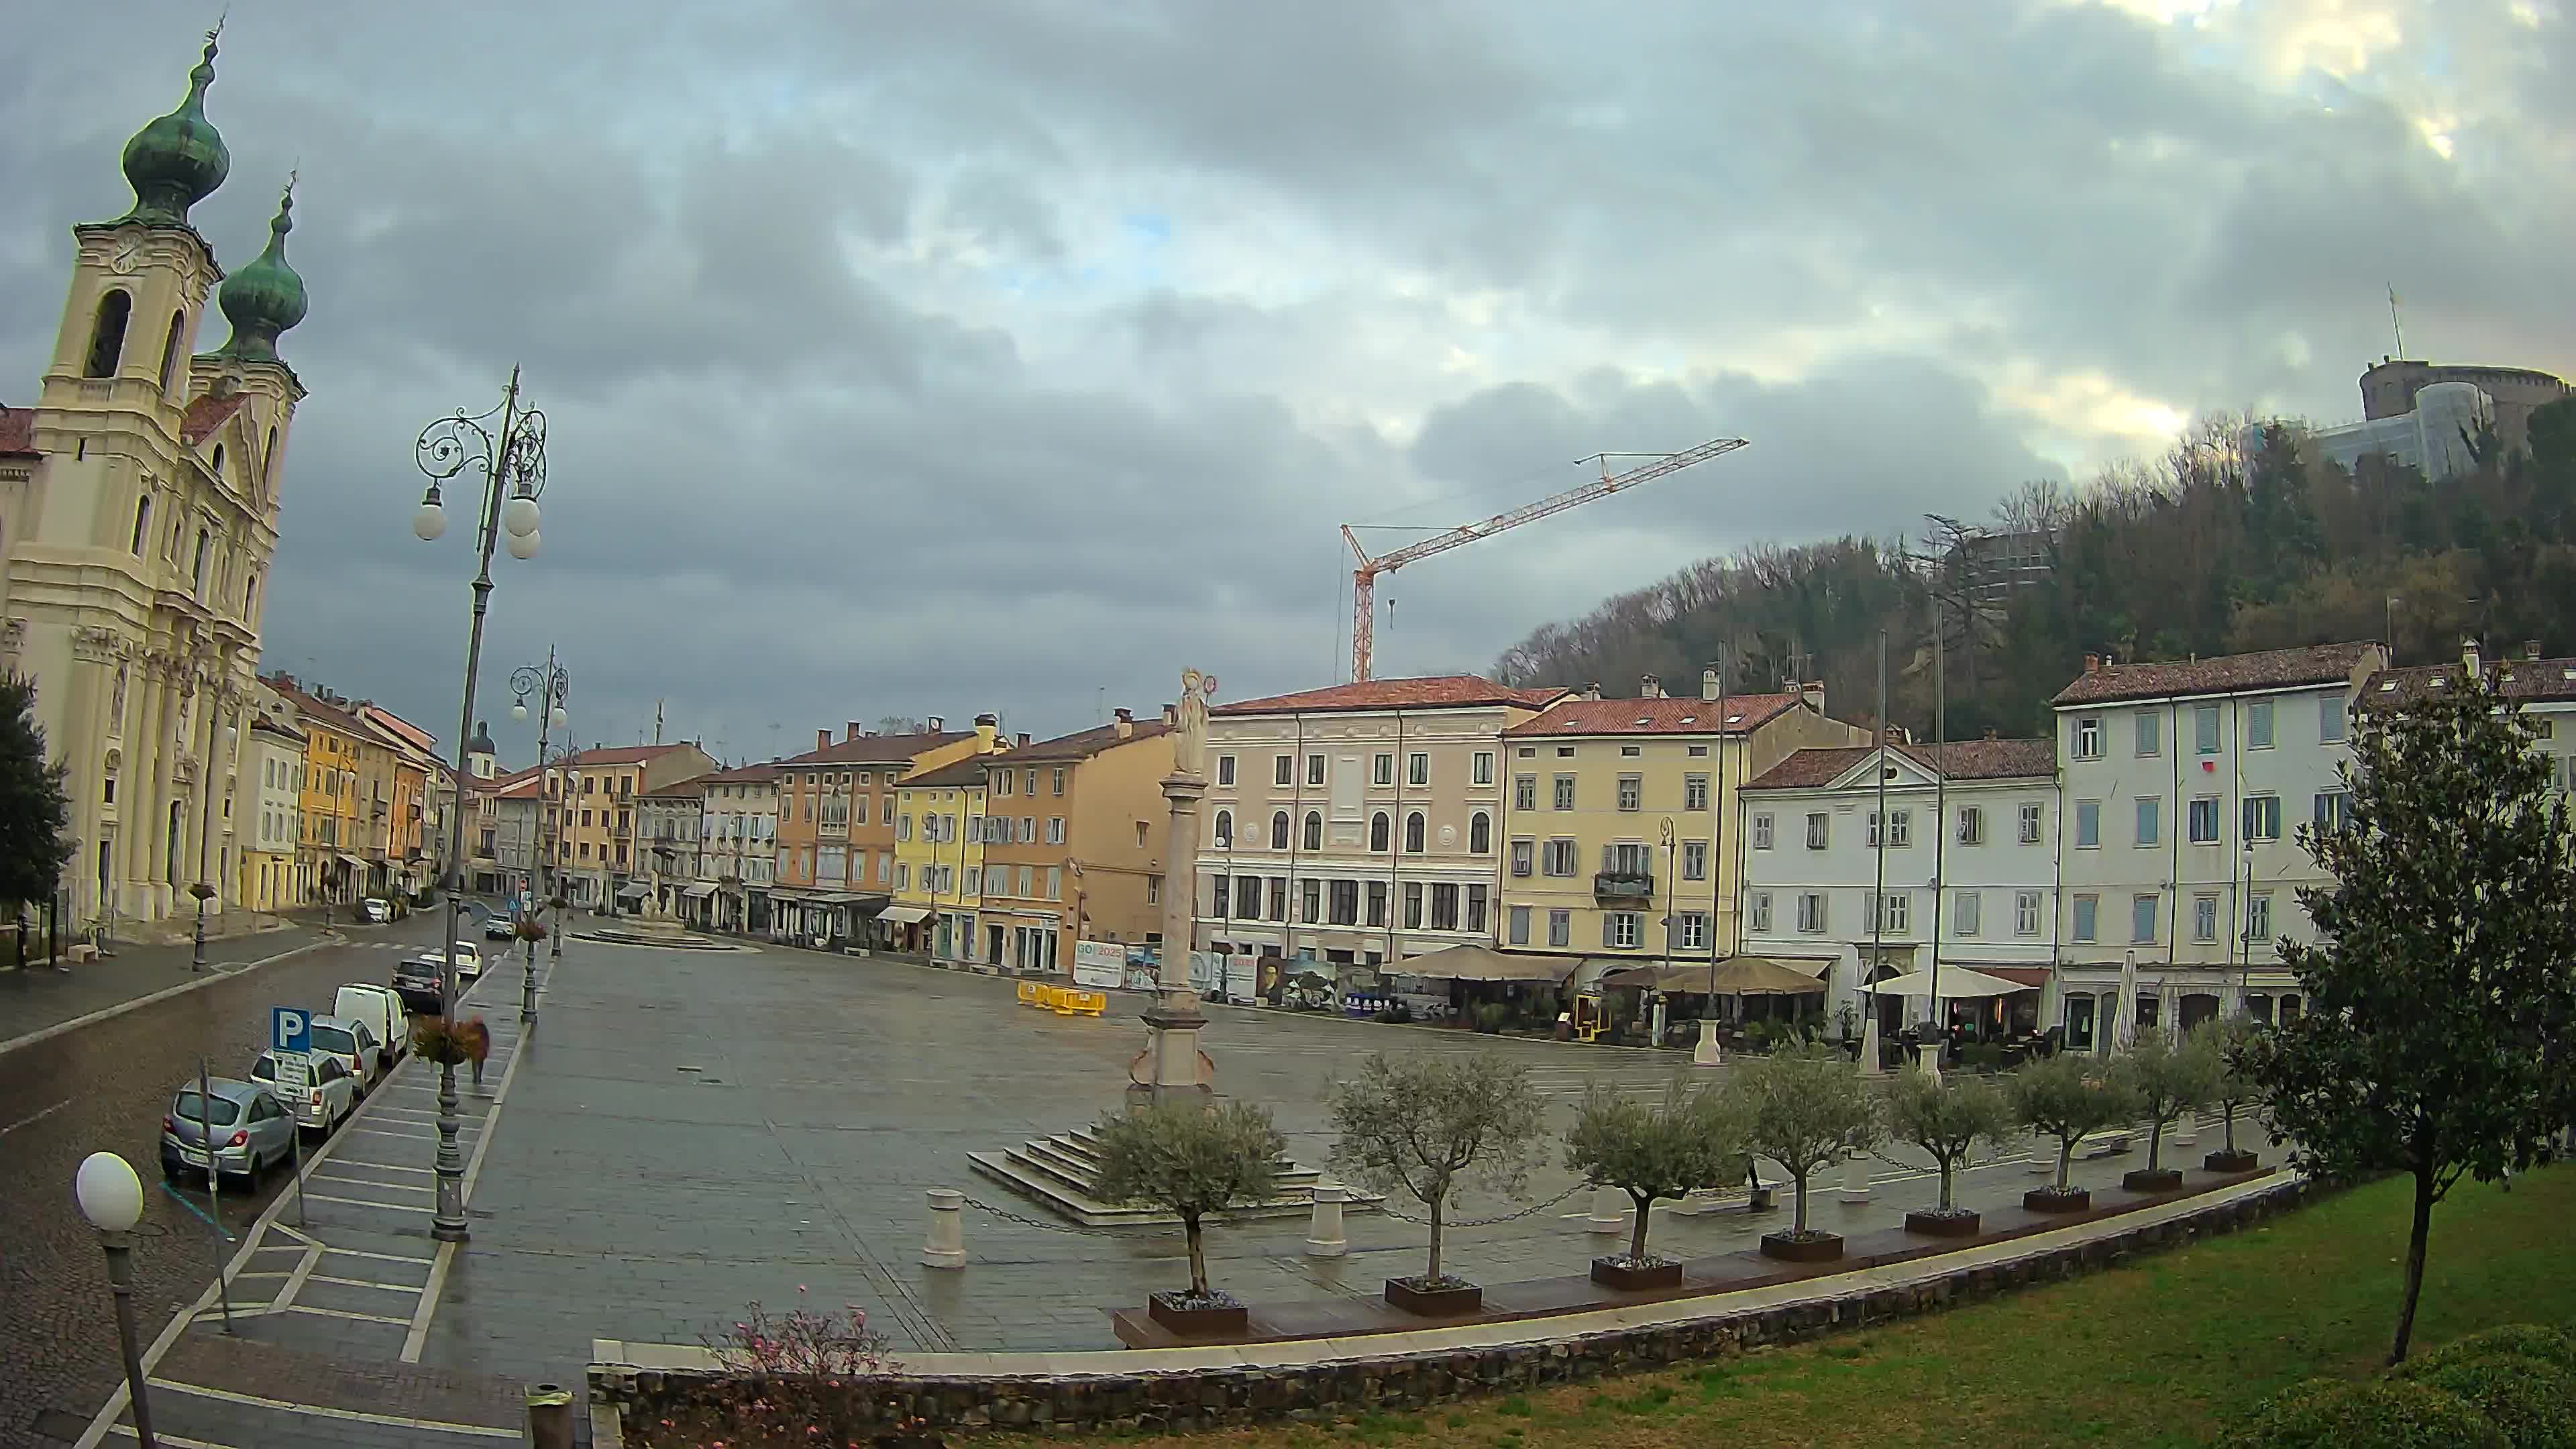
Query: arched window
{"type": "Point", "coordinates": [218, 468]}
{"type": "Point", "coordinates": [1224, 829]}
{"type": "Point", "coordinates": [1378, 832]}
{"type": "Point", "coordinates": [205, 550]}
{"type": "Point", "coordinates": [1314, 830]}
{"type": "Point", "coordinates": [1279, 830]}
{"type": "Point", "coordinates": [142, 521]}
{"type": "Point", "coordinates": [1480, 833]}
{"type": "Point", "coordinates": [1413, 832]}
{"type": "Point", "coordinates": [250, 596]}
{"type": "Point", "coordinates": [107, 334]}
{"type": "Point", "coordinates": [170, 350]}
{"type": "Point", "coordinates": [268, 458]}
{"type": "Point", "coordinates": [170, 845]}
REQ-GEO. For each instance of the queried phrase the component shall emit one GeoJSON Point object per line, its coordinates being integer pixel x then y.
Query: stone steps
{"type": "Point", "coordinates": [1063, 1172]}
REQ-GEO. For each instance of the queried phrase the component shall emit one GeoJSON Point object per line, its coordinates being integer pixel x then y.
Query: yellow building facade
{"type": "Point", "coordinates": [1618, 819]}
{"type": "Point", "coordinates": [939, 857]}
{"type": "Point", "coordinates": [330, 865]}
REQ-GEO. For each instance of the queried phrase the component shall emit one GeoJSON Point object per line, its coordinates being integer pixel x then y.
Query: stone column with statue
{"type": "Point", "coordinates": [1172, 1063]}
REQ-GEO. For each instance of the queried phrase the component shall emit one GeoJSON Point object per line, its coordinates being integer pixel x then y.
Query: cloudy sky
{"type": "Point", "coordinates": [928, 358]}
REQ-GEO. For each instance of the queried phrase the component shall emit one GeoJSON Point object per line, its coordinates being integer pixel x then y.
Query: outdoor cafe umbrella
{"type": "Point", "coordinates": [2124, 1019]}
{"type": "Point", "coordinates": [1957, 982]}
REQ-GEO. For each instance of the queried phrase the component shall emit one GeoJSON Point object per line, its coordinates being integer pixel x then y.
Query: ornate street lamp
{"type": "Point", "coordinates": [111, 1198]}
{"type": "Point", "coordinates": [507, 446]}
{"type": "Point", "coordinates": [550, 685]}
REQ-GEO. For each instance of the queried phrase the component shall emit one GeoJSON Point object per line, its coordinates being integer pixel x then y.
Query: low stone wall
{"type": "Point", "coordinates": [1209, 1398]}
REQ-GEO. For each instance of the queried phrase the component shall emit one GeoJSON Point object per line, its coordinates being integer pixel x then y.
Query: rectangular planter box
{"type": "Point", "coordinates": [1826, 1249]}
{"type": "Point", "coordinates": [2152, 1179]}
{"type": "Point", "coordinates": [1938, 1225]}
{"type": "Point", "coordinates": [1611, 1273]}
{"type": "Point", "coordinates": [2230, 1162]}
{"type": "Point", "coordinates": [1434, 1302]}
{"type": "Point", "coordinates": [1197, 1321]}
{"type": "Point", "coordinates": [2050, 1200]}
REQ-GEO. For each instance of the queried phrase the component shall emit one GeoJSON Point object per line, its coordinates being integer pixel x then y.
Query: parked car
{"type": "Point", "coordinates": [499, 926]}
{"type": "Point", "coordinates": [251, 1131]}
{"type": "Point", "coordinates": [416, 982]}
{"type": "Point", "coordinates": [330, 1094]}
{"type": "Point", "coordinates": [376, 910]}
{"type": "Point", "coordinates": [381, 1008]}
{"type": "Point", "coordinates": [469, 961]}
{"type": "Point", "coordinates": [352, 1043]}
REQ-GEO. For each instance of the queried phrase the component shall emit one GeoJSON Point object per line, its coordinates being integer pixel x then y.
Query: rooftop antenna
{"type": "Point", "coordinates": [657, 720]}
{"type": "Point", "coordinates": [2396, 321]}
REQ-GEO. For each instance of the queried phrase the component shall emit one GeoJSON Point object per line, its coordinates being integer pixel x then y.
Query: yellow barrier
{"type": "Point", "coordinates": [1029, 993]}
{"type": "Point", "coordinates": [1063, 1000]}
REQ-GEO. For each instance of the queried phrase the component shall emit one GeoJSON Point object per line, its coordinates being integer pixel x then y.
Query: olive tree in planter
{"type": "Point", "coordinates": [2065, 1097]}
{"type": "Point", "coordinates": [1191, 1160]}
{"type": "Point", "coordinates": [2230, 1042]}
{"type": "Point", "coordinates": [1805, 1108]}
{"type": "Point", "coordinates": [1946, 1117]}
{"type": "Point", "coordinates": [2164, 1077]}
{"type": "Point", "coordinates": [1428, 1127]}
{"type": "Point", "coordinates": [1689, 1143]}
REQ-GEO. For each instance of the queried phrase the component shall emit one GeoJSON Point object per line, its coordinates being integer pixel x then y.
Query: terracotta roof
{"type": "Point", "coordinates": [207, 412]}
{"type": "Point", "coordinates": [967, 772]}
{"type": "Point", "coordinates": [1967, 760]}
{"type": "Point", "coordinates": [760, 774]}
{"type": "Point", "coordinates": [877, 749]}
{"type": "Point", "coordinates": [305, 703]}
{"type": "Point", "coordinates": [277, 727]}
{"type": "Point", "coordinates": [620, 755]}
{"type": "Point", "coordinates": [694, 787]}
{"type": "Point", "coordinates": [2222, 674]}
{"type": "Point", "coordinates": [2540, 680]}
{"type": "Point", "coordinates": [1439, 691]}
{"type": "Point", "coordinates": [1081, 744]}
{"type": "Point", "coordinates": [1656, 716]}
{"type": "Point", "coordinates": [17, 432]}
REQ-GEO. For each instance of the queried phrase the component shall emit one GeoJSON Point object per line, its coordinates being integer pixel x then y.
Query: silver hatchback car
{"type": "Point", "coordinates": [252, 1132]}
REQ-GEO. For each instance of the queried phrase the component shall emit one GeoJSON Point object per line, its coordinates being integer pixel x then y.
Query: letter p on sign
{"type": "Point", "coordinates": [289, 1030]}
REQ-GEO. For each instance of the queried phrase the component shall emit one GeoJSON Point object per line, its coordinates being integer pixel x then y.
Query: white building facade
{"type": "Point", "coordinates": [737, 851]}
{"type": "Point", "coordinates": [1293, 857]}
{"type": "Point", "coordinates": [1964, 872]}
{"type": "Point", "coordinates": [2184, 785]}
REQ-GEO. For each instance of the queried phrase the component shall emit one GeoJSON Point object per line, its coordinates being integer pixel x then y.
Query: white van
{"type": "Point", "coordinates": [383, 1013]}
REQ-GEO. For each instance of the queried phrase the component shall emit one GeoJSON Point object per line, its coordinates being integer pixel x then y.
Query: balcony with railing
{"type": "Point", "coordinates": [1623, 885]}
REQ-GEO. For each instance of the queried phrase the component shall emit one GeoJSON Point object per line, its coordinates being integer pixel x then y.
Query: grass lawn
{"type": "Point", "coordinates": [2164, 1352]}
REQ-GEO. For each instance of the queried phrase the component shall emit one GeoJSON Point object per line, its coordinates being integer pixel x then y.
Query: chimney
{"type": "Point", "coordinates": [1592, 690]}
{"type": "Point", "coordinates": [988, 728]}
{"type": "Point", "coordinates": [2092, 663]}
{"type": "Point", "coordinates": [936, 725]}
{"type": "Point", "coordinates": [1708, 685]}
{"type": "Point", "coordinates": [1171, 714]}
{"type": "Point", "coordinates": [1126, 724]}
{"type": "Point", "coordinates": [2469, 656]}
{"type": "Point", "coordinates": [1021, 739]}
{"type": "Point", "coordinates": [852, 730]}
{"type": "Point", "coordinates": [1650, 688]}
{"type": "Point", "coordinates": [2531, 649]}
{"type": "Point", "coordinates": [1813, 691]}
{"type": "Point", "coordinates": [822, 739]}
{"type": "Point", "coordinates": [1990, 732]}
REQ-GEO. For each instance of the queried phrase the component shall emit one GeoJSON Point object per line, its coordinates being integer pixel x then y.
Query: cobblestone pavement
{"type": "Point", "coordinates": [106, 1085]}
{"type": "Point", "coordinates": [691, 1133]}
{"type": "Point", "coordinates": [36, 997]}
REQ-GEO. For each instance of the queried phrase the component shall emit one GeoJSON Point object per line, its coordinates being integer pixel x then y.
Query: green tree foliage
{"type": "Point", "coordinates": [1688, 1143]}
{"type": "Point", "coordinates": [2441, 997]}
{"type": "Point", "coordinates": [2233, 539]}
{"type": "Point", "coordinates": [1947, 1117]}
{"type": "Point", "coordinates": [1429, 1126]}
{"type": "Point", "coordinates": [2066, 1096]}
{"type": "Point", "coordinates": [35, 817]}
{"type": "Point", "coordinates": [2230, 1042]}
{"type": "Point", "coordinates": [2164, 1078]}
{"type": "Point", "coordinates": [2383, 1414]}
{"type": "Point", "coordinates": [1805, 1108]}
{"type": "Point", "coordinates": [1191, 1159]}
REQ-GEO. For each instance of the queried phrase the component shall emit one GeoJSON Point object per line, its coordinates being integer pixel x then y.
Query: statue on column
{"type": "Point", "coordinates": [1189, 735]}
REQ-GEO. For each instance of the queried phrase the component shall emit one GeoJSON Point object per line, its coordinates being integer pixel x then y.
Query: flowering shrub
{"type": "Point", "coordinates": [794, 1378]}
{"type": "Point", "coordinates": [529, 928]}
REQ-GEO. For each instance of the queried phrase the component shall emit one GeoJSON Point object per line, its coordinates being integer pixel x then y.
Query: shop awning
{"type": "Point", "coordinates": [1735, 976]}
{"type": "Point", "coordinates": [2029, 977]}
{"type": "Point", "coordinates": [1956, 981]}
{"type": "Point", "coordinates": [352, 861]}
{"type": "Point", "coordinates": [846, 898]}
{"type": "Point", "coordinates": [1480, 963]}
{"type": "Point", "coordinates": [634, 891]}
{"type": "Point", "coordinates": [904, 915]}
{"type": "Point", "coordinates": [700, 891]}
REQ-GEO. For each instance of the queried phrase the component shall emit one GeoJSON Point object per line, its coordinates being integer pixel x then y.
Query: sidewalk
{"type": "Point", "coordinates": [37, 996]}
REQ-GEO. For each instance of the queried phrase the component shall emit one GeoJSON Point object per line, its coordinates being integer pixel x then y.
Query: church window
{"type": "Point", "coordinates": [250, 595]}
{"type": "Point", "coordinates": [142, 521]}
{"type": "Point", "coordinates": [205, 548]}
{"type": "Point", "coordinates": [218, 468]}
{"type": "Point", "coordinates": [268, 459]}
{"type": "Point", "coordinates": [107, 336]}
{"type": "Point", "coordinates": [170, 351]}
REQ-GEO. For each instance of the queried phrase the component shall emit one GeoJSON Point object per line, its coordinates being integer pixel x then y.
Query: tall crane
{"type": "Point", "coordinates": [1364, 576]}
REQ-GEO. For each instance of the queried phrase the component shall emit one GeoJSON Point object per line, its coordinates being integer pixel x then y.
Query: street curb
{"type": "Point", "coordinates": [165, 993]}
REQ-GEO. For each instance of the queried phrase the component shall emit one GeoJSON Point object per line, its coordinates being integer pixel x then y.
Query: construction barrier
{"type": "Point", "coordinates": [1063, 1000]}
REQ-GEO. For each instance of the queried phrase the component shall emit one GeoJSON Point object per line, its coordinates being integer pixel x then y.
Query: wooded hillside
{"type": "Point", "coordinates": [2213, 548]}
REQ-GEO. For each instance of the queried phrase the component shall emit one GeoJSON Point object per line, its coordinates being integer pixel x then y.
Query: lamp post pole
{"type": "Point", "coordinates": [512, 459]}
{"type": "Point", "coordinates": [205, 827]}
{"type": "Point", "coordinates": [111, 1198]}
{"type": "Point", "coordinates": [551, 686]}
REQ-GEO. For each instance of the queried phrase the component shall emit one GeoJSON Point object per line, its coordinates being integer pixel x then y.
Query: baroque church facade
{"type": "Point", "coordinates": [139, 499]}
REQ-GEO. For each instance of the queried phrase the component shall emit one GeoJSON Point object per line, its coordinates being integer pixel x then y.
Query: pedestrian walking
{"type": "Point", "coordinates": [476, 1040]}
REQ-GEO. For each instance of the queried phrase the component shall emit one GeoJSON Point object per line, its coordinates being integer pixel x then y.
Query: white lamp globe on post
{"type": "Point", "coordinates": [524, 545]}
{"type": "Point", "coordinates": [519, 516]}
{"type": "Point", "coordinates": [519, 711]}
{"type": "Point", "coordinates": [559, 719]}
{"type": "Point", "coordinates": [429, 521]}
{"type": "Point", "coordinates": [111, 1199]}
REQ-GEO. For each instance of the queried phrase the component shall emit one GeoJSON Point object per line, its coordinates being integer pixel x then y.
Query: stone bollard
{"type": "Point", "coordinates": [946, 1245]}
{"type": "Point", "coordinates": [1856, 1179]}
{"type": "Point", "coordinates": [2187, 1130]}
{"type": "Point", "coordinates": [1324, 1238]}
{"type": "Point", "coordinates": [549, 1416]}
{"type": "Point", "coordinates": [2043, 1155]}
{"type": "Point", "coordinates": [1610, 1209]}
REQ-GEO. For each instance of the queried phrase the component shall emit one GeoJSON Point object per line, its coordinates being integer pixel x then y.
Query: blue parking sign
{"type": "Point", "coordinates": [290, 1030]}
